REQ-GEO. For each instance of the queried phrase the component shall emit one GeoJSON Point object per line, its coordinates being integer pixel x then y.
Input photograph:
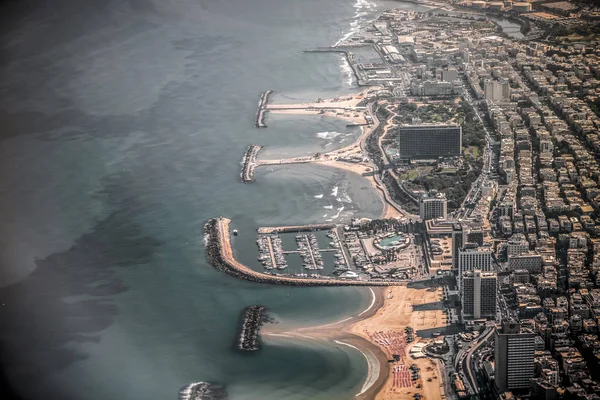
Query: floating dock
{"type": "Point", "coordinates": [249, 163]}
{"type": "Point", "coordinates": [262, 109]}
{"type": "Point", "coordinates": [220, 255]}
{"type": "Point", "coordinates": [252, 319]}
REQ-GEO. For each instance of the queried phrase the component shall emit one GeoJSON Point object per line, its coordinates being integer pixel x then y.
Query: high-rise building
{"type": "Point", "coordinates": [429, 141]}
{"type": "Point", "coordinates": [496, 90]}
{"type": "Point", "coordinates": [472, 257]}
{"type": "Point", "coordinates": [478, 294]}
{"type": "Point", "coordinates": [457, 244]}
{"type": "Point", "coordinates": [432, 206]}
{"type": "Point", "coordinates": [513, 357]}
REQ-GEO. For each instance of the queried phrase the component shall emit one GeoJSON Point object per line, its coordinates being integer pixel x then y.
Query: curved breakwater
{"type": "Point", "coordinates": [252, 319]}
{"type": "Point", "coordinates": [249, 163]}
{"type": "Point", "coordinates": [262, 109]}
{"type": "Point", "coordinates": [220, 254]}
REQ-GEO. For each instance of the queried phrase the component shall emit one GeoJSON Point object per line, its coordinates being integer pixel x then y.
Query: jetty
{"type": "Point", "coordinates": [360, 81]}
{"type": "Point", "coordinates": [262, 109]}
{"type": "Point", "coordinates": [295, 228]}
{"type": "Point", "coordinates": [220, 255]}
{"type": "Point", "coordinates": [249, 163]}
{"type": "Point", "coordinates": [252, 319]}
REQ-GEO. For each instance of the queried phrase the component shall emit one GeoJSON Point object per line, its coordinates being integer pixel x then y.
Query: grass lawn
{"type": "Point", "coordinates": [473, 151]}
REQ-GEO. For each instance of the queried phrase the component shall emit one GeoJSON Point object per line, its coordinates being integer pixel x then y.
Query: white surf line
{"type": "Point", "coordinates": [333, 323]}
{"type": "Point", "coordinates": [373, 369]}
{"type": "Point", "coordinates": [372, 302]}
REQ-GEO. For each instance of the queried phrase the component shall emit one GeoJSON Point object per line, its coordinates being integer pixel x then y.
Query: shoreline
{"type": "Point", "coordinates": [385, 314]}
{"type": "Point", "coordinates": [340, 333]}
{"type": "Point", "coordinates": [356, 148]}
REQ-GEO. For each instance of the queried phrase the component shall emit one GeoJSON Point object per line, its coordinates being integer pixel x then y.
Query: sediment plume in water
{"type": "Point", "coordinates": [203, 391]}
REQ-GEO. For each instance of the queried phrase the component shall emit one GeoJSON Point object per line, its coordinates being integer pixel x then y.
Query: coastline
{"type": "Point", "coordinates": [391, 310]}
{"type": "Point", "coordinates": [340, 333]}
{"type": "Point", "coordinates": [328, 108]}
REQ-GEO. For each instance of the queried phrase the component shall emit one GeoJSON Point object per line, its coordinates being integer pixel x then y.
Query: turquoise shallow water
{"type": "Point", "coordinates": [123, 126]}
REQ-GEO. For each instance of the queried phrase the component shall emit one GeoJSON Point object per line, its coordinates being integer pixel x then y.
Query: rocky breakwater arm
{"type": "Point", "coordinates": [249, 163]}
{"type": "Point", "coordinates": [252, 319]}
{"type": "Point", "coordinates": [220, 254]}
{"type": "Point", "coordinates": [262, 109]}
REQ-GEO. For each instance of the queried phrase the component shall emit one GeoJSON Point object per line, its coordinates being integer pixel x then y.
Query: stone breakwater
{"type": "Point", "coordinates": [262, 109]}
{"type": "Point", "coordinates": [203, 391]}
{"type": "Point", "coordinates": [220, 255]}
{"type": "Point", "coordinates": [249, 163]}
{"type": "Point", "coordinates": [252, 319]}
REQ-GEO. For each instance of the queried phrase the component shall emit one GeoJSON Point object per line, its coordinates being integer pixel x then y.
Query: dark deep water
{"type": "Point", "coordinates": [123, 124]}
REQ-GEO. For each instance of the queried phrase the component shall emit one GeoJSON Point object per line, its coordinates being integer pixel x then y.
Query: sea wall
{"type": "Point", "coordinates": [220, 255]}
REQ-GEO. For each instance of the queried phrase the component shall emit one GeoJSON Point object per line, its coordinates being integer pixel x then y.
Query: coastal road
{"type": "Point", "coordinates": [466, 362]}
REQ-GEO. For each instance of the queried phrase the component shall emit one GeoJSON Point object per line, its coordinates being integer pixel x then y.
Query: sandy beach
{"type": "Point", "coordinates": [340, 334]}
{"type": "Point", "coordinates": [378, 332]}
{"type": "Point", "coordinates": [344, 107]}
{"type": "Point", "coordinates": [385, 329]}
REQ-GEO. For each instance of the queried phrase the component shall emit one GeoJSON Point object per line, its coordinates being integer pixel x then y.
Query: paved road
{"type": "Point", "coordinates": [467, 364]}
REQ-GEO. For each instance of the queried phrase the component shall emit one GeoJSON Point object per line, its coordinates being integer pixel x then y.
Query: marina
{"type": "Point", "coordinates": [362, 250]}
{"type": "Point", "coordinates": [220, 255]}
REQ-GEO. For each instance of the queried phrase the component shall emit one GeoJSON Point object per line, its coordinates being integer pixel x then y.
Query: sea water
{"type": "Point", "coordinates": [123, 124]}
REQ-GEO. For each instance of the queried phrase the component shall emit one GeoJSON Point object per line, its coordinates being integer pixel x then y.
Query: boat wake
{"type": "Point", "coordinates": [203, 391]}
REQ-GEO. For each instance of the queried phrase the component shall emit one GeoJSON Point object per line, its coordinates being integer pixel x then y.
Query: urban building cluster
{"type": "Point", "coordinates": [542, 248]}
{"type": "Point", "coordinates": [525, 242]}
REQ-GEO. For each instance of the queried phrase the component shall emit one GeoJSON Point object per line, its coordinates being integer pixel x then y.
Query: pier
{"type": "Point", "coordinates": [220, 255]}
{"type": "Point", "coordinates": [252, 319]}
{"type": "Point", "coordinates": [360, 81]}
{"type": "Point", "coordinates": [249, 163]}
{"type": "Point", "coordinates": [262, 109]}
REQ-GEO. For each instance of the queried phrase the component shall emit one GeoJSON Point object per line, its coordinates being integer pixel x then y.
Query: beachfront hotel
{"type": "Point", "coordinates": [432, 206]}
{"type": "Point", "coordinates": [478, 295]}
{"type": "Point", "coordinates": [429, 141]}
{"type": "Point", "coordinates": [473, 257]}
{"type": "Point", "coordinates": [513, 357]}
